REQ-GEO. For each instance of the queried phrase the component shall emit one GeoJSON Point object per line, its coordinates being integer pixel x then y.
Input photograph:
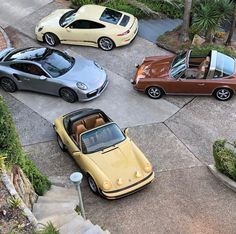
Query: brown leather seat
{"type": "Point", "coordinates": [80, 128]}
{"type": "Point", "coordinates": [202, 68]}
{"type": "Point", "coordinates": [99, 121]}
{"type": "Point", "coordinates": [90, 121]}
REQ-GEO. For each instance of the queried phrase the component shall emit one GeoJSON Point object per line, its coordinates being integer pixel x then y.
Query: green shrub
{"type": "Point", "coordinates": [205, 49]}
{"type": "Point", "coordinates": [164, 7]}
{"type": "Point", "coordinates": [48, 229]}
{"type": "Point", "coordinates": [11, 149]}
{"type": "Point", "coordinates": [225, 158]}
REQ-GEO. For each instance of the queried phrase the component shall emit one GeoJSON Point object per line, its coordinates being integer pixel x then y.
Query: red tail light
{"type": "Point", "coordinates": [123, 34]}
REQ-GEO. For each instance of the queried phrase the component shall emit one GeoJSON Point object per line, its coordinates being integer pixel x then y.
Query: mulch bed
{"type": "Point", "coordinates": [12, 220]}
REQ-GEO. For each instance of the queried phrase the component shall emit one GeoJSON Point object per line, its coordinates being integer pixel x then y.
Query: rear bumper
{"type": "Point", "coordinates": [130, 189]}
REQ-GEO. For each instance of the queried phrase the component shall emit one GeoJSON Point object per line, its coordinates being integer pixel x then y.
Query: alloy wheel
{"type": "Point", "coordinates": [68, 95]}
{"type": "Point", "coordinates": [154, 92]}
{"type": "Point", "coordinates": [92, 184]}
{"type": "Point", "coordinates": [50, 39]}
{"type": "Point", "coordinates": [8, 85]}
{"type": "Point", "coordinates": [106, 43]}
{"type": "Point", "coordinates": [223, 94]}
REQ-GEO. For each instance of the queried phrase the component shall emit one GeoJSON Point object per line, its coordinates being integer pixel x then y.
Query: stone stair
{"type": "Point", "coordinates": [58, 206]}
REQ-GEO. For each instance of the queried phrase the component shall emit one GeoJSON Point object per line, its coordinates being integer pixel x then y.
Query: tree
{"type": "Point", "coordinates": [184, 36]}
{"type": "Point", "coordinates": [232, 26]}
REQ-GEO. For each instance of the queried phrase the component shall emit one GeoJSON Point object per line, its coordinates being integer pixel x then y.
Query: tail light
{"type": "Point", "coordinates": [123, 34]}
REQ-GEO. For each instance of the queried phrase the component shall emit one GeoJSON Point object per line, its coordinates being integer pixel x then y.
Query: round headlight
{"type": "Point", "coordinates": [106, 185]}
{"type": "Point", "coordinates": [82, 86]}
{"type": "Point", "coordinates": [148, 167]}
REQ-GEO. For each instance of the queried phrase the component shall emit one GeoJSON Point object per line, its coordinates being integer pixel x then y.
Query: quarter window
{"type": "Point", "coordinates": [85, 24]}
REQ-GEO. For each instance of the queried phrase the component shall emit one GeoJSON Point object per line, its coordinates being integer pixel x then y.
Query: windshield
{"type": "Point", "coordinates": [67, 18]}
{"type": "Point", "coordinates": [101, 138]}
{"type": "Point", "coordinates": [56, 63]}
{"type": "Point", "coordinates": [178, 65]}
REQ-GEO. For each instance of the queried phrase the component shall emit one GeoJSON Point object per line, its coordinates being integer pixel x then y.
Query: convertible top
{"type": "Point", "coordinates": [74, 116]}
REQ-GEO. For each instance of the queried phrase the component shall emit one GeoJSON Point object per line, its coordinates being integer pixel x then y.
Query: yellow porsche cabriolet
{"type": "Point", "coordinates": [90, 25]}
{"type": "Point", "coordinates": [114, 165]}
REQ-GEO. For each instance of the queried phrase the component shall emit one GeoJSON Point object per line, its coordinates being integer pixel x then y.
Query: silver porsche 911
{"type": "Point", "coordinates": [53, 72]}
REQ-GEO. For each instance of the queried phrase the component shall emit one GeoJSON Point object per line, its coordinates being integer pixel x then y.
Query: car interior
{"type": "Point", "coordinates": [85, 124]}
{"type": "Point", "coordinates": [198, 68]}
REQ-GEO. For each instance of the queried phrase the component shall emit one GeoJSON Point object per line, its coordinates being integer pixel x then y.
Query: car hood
{"type": "Point", "coordinates": [158, 67]}
{"type": "Point", "coordinates": [87, 72]}
{"type": "Point", "coordinates": [52, 19]}
{"type": "Point", "coordinates": [119, 162]}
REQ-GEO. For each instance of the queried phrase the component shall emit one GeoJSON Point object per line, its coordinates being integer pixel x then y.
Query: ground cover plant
{"type": "Point", "coordinates": [11, 150]}
{"type": "Point", "coordinates": [224, 154]}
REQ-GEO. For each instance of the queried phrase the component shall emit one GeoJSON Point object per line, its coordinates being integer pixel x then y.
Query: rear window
{"type": "Point", "coordinates": [125, 20]}
{"type": "Point", "coordinates": [111, 16]}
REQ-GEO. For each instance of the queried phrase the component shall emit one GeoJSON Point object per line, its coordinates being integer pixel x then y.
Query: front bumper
{"type": "Point", "coordinates": [84, 97]}
{"type": "Point", "coordinates": [130, 189]}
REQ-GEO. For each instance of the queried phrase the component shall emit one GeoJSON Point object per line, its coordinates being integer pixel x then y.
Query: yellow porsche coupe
{"type": "Point", "coordinates": [115, 167]}
{"type": "Point", "coordinates": [90, 25]}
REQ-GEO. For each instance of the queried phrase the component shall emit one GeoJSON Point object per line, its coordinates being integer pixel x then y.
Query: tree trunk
{"type": "Point", "coordinates": [232, 27]}
{"type": "Point", "coordinates": [186, 20]}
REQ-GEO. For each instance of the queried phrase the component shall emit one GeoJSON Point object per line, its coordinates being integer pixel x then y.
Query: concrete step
{"type": "Point", "coordinates": [76, 226]}
{"type": "Point", "coordinates": [59, 192]}
{"type": "Point", "coordinates": [62, 199]}
{"type": "Point", "coordinates": [43, 210]}
{"type": "Point", "coordinates": [60, 220]}
{"type": "Point", "coordinates": [63, 181]}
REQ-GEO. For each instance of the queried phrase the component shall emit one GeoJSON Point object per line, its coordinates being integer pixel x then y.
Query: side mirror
{"type": "Point", "coordinates": [126, 131]}
{"type": "Point", "coordinates": [68, 29]}
{"type": "Point", "coordinates": [43, 78]}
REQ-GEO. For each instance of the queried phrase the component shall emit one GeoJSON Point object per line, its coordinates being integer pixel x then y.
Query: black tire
{"type": "Point", "coordinates": [68, 95]}
{"type": "Point", "coordinates": [92, 185]}
{"type": "Point", "coordinates": [60, 143]}
{"type": "Point", "coordinates": [223, 94]}
{"type": "Point", "coordinates": [105, 43]}
{"type": "Point", "coordinates": [8, 85]}
{"type": "Point", "coordinates": [51, 39]}
{"type": "Point", "coordinates": [154, 92]}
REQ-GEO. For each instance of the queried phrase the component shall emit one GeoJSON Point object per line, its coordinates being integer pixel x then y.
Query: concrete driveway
{"type": "Point", "coordinates": [175, 133]}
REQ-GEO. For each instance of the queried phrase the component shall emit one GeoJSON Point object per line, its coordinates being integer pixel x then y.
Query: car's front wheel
{"type": "Point", "coordinates": [223, 94]}
{"type": "Point", "coordinates": [106, 43]}
{"type": "Point", "coordinates": [51, 39]}
{"type": "Point", "coordinates": [154, 92]}
{"type": "Point", "coordinates": [60, 143]}
{"type": "Point", "coordinates": [8, 84]}
{"type": "Point", "coordinates": [68, 95]}
{"type": "Point", "coordinates": [92, 184]}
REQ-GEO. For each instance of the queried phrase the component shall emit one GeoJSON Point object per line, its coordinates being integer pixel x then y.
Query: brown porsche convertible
{"type": "Point", "coordinates": [186, 74]}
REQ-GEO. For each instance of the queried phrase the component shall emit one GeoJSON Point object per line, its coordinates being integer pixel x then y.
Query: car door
{"type": "Point", "coordinates": [83, 32]}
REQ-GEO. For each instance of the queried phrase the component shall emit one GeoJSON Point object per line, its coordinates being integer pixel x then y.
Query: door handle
{"type": "Point", "coordinates": [201, 84]}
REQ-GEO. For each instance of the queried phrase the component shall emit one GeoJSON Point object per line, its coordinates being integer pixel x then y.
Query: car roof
{"type": "Point", "coordinates": [90, 12]}
{"type": "Point", "coordinates": [27, 54]}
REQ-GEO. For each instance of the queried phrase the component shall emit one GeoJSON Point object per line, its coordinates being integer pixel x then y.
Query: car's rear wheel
{"type": "Point", "coordinates": [51, 39]}
{"type": "Point", "coordinates": [68, 95]}
{"type": "Point", "coordinates": [106, 43]}
{"type": "Point", "coordinates": [92, 184]}
{"type": "Point", "coordinates": [223, 94]}
{"type": "Point", "coordinates": [8, 84]}
{"type": "Point", "coordinates": [154, 92]}
{"type": "Point", "coordinates": [60, 143]}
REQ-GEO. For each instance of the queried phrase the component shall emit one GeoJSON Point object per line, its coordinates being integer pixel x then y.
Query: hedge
{"type": "Point", "coordinates": [11, 149]}
{"type": "Point", "coordinates": [224, 155]}
{"type": "Point", "coordinates": [164, 7]}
